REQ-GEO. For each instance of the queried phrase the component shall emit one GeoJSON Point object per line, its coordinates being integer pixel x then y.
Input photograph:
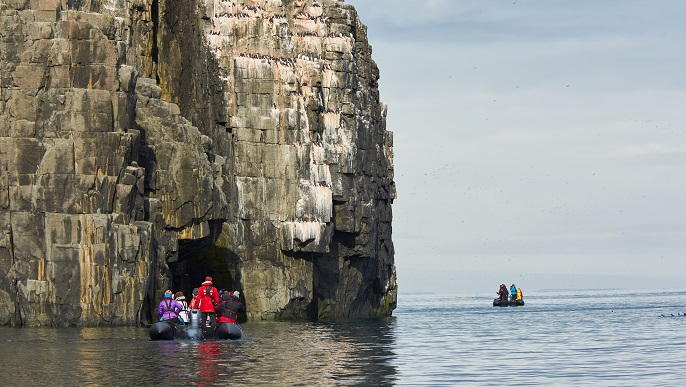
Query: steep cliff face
{"type": "Point", "coordinates": [145, 144]}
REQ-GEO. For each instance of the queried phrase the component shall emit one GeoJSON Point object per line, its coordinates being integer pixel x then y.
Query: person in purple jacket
{"type": "Point", "coordinates": [169, 309]}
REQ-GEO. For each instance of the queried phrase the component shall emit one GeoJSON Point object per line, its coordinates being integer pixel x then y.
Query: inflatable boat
{"type": "Point", "coordinates": [504, 302]}
{"type": "Point", "coordinates": [170, 330]}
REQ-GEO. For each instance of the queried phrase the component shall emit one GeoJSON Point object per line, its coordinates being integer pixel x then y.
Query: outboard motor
{"type": "Point", "coordinates": [193, 331]}
{"type": "Point", "coordinates": [195, 318]}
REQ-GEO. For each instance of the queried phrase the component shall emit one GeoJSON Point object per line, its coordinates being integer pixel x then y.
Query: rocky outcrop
{"type": "Point", "coordinates": [145, 144]}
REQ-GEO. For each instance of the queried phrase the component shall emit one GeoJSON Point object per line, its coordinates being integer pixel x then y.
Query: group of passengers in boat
{"type": "Point", "coordinates": [216, 305]}
{"type": "Point", "coordinates": [514, 294]}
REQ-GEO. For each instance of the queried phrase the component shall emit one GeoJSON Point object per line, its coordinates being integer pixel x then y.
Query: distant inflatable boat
{"type": "Point", "coordinates": [499, 302]}
{"type": "Point", "coordinates": [169, 330]}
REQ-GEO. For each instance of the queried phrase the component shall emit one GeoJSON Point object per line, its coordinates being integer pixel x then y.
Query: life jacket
{"type": "Point", "coordinates": [169, 310]}
{"type": "Point", "coordinates": [183, 314]}
{"type": "Point", "coordinates": [208, 293]}
{"type": "Point", "coordinates": [205, 305]}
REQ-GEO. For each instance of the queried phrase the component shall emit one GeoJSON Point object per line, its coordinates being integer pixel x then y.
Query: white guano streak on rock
{"type": "Point", "coordinates": [306, 231]}
{"type": "Point", "coordinates": [339, 141]}
{"type": "Point", "coordinates": [242, 210]}
{"type": "Point", "coordinates": [320, 173]}
{"type": "Point", "coordinates": [323, 205]}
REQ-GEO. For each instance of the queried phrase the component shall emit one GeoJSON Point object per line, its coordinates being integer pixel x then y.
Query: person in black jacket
{"type": "Point", "coordinates": [230, 307]}
{"type": "Point", "coordinates": [503, 293]}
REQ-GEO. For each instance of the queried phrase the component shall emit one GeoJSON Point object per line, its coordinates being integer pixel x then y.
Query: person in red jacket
{"type": "Point", "coordinates": [194, 299]}
{"type": "Point", "coordinates": [207, 302]}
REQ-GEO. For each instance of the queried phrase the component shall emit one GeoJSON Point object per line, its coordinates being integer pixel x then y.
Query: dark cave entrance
{"type": "Point", "coordinates": [200, 258]}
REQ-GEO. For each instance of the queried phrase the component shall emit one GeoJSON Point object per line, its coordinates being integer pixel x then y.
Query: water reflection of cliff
{"type": "Point", "coordinates": [354, 352]}
{"type": "Point", "coordinates": [359, 352]}
{"type": "Point", "coordinates": [350, 352]}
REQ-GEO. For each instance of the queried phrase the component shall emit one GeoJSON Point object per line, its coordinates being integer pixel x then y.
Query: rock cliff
{"type": "Point", "coordinates": [145, 144]}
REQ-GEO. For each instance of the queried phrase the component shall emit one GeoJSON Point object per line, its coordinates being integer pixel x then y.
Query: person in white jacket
{"type": "Point", "coordinates": [181, 299]}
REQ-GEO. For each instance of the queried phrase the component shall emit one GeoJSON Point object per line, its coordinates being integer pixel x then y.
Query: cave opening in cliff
{"type": "Point", "coordinates": [199, 258]}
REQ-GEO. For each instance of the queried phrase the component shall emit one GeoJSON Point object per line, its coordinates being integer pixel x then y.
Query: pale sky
{"type": "Point", "coordinates": [540, 142]}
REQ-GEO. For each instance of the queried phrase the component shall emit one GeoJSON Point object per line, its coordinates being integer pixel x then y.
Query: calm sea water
{"type": "Point", "coordinates": [581, 338]}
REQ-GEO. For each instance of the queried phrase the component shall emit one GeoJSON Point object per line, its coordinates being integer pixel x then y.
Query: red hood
{"type": "Point", "coordinates": [206, 283]}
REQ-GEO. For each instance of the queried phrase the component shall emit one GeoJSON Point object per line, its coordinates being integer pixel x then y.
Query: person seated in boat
{"type": "Point", "coordinates": [520, 295]}
{"type": "Point", "coordinates": [230, 308]}
{"type": "Point", "coordinates": [513, 292]}
{"type": "Point", "coordinates": [502, 292]}
{"type": "Point", "coordinates": [181, 299]}
{"type": "Point", "coordinates": [194, 299]}
{"type": "Point", "coordinates": [208, 302]}
{"type": "Point", "coordinates": [169, 309]}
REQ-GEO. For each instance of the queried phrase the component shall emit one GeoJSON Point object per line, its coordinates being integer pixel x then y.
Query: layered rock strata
{"type": "Point", "coordinates": [145, 144]}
